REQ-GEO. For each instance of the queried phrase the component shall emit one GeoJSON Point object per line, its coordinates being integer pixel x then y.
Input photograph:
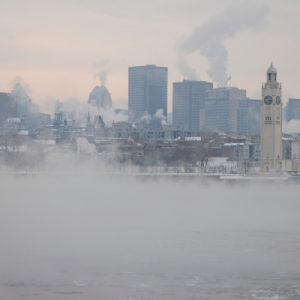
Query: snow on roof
{"type": "Point", "coordinates": [233, 144]}
{"type": "Point", "coordinates": [45, 142]}
{"type": "Point", "coordinates": [193, 138]}
{"type": "Point", "coordinates": [23, 132]}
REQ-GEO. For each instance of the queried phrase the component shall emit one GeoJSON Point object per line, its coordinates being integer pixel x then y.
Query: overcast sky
{"type": "Point", "coordinates": [53, 45]}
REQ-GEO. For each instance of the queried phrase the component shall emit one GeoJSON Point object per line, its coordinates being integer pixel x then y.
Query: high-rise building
{"type": "Point", "coordinates": [221, 107]}
{"type": "Point", "coordinates": [24, 102]}
{"type": "Point", "coordinates": [248, 116]}
{"type": "Point", "coordinates": [293, 110]}
{"type": "Point", "coordinates": [189, 102]}
{"type": "Point", "coordinates": [8, 107]}
{"type": "Point", "coordinates": [147, 92]}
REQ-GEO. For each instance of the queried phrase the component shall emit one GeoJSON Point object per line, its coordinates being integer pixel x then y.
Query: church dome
{"type": "Point", "coordinates": [99, 90]}
{"type": "Point", "coordinates": [100, 97]}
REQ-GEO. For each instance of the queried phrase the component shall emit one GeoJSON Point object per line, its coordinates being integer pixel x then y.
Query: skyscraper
{"type": "Point", "coordinates": [293, 110]}
{"type": "Point", "coordinates": [147, 91]}
{"type": "Point", "coordinates": [221, 107]}
{"type": "Point", "coordinates": [188, 101]}
{"type": "Point", "coordinates": [8, 107]}
{"type": "Point", "coordinates": [248, 116]}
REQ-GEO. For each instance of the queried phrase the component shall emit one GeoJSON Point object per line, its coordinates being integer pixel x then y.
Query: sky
{"type": "Point", "coordinates": [53, 46]}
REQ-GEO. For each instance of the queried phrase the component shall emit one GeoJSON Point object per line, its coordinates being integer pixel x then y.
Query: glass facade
{"type": "Point", "coordinates": [147, 91]}
{"type": "Point", "coordinates": [248, 116]}
{"type": "Point", "coordinates": [293, 110]}
{"type": "Point", "coordinates": [254, 110]}
{"type": "Point", "coordinates": [221, 108]}
{"type": "Point", "coordinates": [188, 100]}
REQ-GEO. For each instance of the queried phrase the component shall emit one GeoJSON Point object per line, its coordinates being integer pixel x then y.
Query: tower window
{"type": "Point", "coordinates": [270, 76]}
{"type": "Point", "coordinates": [275, 77]}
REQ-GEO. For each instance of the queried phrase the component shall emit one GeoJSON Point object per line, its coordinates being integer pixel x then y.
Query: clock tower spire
{"type": "Point", "coordinates": [271, 124]}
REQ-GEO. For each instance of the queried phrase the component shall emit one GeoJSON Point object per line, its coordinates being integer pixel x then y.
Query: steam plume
{"type": "Point", "coordinates": [209, 38]}
{"type": "Point", "coordinates": [101, 70]}
{"type": "Point", "coordinates": [186, 70]}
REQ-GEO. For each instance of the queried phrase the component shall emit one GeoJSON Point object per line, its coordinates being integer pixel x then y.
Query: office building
{"type": "Point", "coordinates": [248, 116]}
{"type": "Point", "coordinates": [189, 103]}
{"type": "Point", "coordinates": [221, 106]}
{"type": "Point", "coordinates": [147, 92]}
{"type": "Point", "coordinates": [293, 110]}
{"type": "Point", "coordinates": [25, 105]}
{"type": "Point", "coordinates": [8, 108]}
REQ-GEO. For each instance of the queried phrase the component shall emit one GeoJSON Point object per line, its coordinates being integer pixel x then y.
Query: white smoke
{"type": "Point", "coordinates": [73, 108]}
{"type": "Point", "coordinates": [17, 84]}
{"type": "Point", "coordinates": [146, 118]}
{"type": "Point", "coordinates": [186, 70]}
{"type": "Point", "coordinates": [158, 115]}
{"type": "Point", "coordinates": [210, 37]}
{"type": "Point", "coordinates": [291, 127]}
{"type": "Point", "coordinates": [109, 115]}
{"type": "Point", "coordinates": [101, 70]}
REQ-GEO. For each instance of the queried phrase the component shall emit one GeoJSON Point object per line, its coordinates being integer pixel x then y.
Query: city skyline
{"type": "Point", "coordinates": [53, 47]}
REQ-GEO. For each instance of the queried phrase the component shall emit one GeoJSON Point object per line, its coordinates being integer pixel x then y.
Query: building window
{"type": "Point", "coordinates": [275, 77]}
{"type": "Point", "coordinates": [270, 76]}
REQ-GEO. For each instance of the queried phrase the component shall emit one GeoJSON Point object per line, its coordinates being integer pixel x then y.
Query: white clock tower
{"type": "Point", "coordinates": [271, 124]}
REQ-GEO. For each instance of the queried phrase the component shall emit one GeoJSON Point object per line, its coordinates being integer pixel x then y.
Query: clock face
{"type": "Point", "coordinates": [268, 100]}
{"type": "Point", "coordinates": [278, 100]}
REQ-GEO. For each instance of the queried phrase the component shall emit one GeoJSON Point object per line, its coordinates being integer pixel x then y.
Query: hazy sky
{"type": "Point", "coordinates": [53, 45]}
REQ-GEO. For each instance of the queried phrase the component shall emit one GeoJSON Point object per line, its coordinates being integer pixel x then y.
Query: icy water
{"type": "Point", "coordinates": [224, 265]}
{"type": "Point", "coordinates": [157, 240]}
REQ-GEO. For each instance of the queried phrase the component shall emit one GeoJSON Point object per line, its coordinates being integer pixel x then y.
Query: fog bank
{"type": "Point", "coordinates": [93, 236]}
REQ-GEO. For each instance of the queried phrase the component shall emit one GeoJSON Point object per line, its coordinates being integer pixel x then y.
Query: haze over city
{"type": "Point", "coordinates": [53, 46]}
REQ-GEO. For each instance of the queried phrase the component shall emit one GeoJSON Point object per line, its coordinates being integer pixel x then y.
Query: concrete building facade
{"type": "Point", "coordinates": [271, 123]}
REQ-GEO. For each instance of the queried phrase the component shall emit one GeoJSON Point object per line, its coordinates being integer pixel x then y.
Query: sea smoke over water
{"type": "Point", "coordinates": [209, 39]}
{"type": "Point", "coordinates": [90, 236]}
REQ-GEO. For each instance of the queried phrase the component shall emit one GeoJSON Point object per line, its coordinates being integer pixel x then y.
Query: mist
{"type": "Point", "coordinates": [111, 237]}
{"type": "Point", "coordinates": [210, 39]}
